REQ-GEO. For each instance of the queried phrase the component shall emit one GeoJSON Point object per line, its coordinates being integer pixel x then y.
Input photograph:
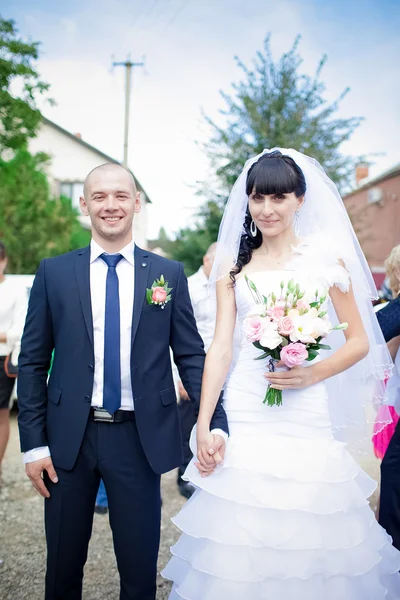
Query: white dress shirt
{"type": "Point", "coordinates": [204, 304]}
{"type": "Point", "coordinates": [126, 277]}
{"type": "Point", "coordinates": [13, 306]}
{"type": "Point", "coordinates": [98, 275]}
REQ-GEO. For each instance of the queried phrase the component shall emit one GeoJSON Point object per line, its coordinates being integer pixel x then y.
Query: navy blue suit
{"type": "Point", "coordinates": [129, 457]}
{"type": "Point", "coordinates": [389, 509]}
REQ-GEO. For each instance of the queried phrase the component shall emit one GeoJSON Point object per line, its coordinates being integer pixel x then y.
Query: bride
{"type": "Point", "coordinates": [285, 514]}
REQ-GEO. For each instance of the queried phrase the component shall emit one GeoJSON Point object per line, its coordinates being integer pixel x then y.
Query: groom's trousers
{"type": "Point", "coordinates": [389, 510]}
{"type": "Point", "coordinates": [113, 452]}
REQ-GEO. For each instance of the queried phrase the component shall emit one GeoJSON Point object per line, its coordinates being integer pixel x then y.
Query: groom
{"type": "Point", "coordinates": [109, 408]}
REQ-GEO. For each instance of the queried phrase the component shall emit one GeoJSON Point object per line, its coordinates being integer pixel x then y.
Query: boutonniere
{"type": "Point", "coordinates": [159, 293]}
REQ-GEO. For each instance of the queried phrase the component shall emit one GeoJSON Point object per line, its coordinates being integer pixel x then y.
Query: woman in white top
{"type": "Point", "coordinates": [13, 304]}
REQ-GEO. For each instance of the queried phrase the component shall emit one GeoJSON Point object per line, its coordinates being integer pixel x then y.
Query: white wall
{"type": "Point", "coordinates": [71, 162]}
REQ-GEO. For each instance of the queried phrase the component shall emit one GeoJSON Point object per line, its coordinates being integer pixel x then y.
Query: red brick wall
{"type": "Point", "coordinates": [377, 225]}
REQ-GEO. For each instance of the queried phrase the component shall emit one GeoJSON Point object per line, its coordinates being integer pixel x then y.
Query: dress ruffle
{"type": "Point", "coordinates": [283, 517]}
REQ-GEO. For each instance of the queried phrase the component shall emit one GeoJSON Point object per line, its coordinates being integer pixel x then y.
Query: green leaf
{"type": "Point", "coordinates": [312, 354]}
{"type": "Point", "coordinates": [149, 294]}
{"type": "Point", "coordinates": [258, 345]}
{"type": "Point", "coordinates": [324, 347]}
{"type": "Point", "coordinates": [314, 304]}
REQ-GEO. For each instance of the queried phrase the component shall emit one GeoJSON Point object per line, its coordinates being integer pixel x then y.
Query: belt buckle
{"type": "Point", "coordinates": [102, 415]}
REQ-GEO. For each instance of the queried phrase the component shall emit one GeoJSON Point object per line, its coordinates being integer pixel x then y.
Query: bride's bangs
{"type": "Point", "coordinates": [271, 176]}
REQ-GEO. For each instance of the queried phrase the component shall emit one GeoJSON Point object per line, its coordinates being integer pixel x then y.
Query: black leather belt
{"type": "Point", "coordinates": [101, 415]}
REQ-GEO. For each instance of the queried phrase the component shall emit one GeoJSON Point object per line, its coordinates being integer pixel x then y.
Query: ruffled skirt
{"type": "Point", "coordinates": [286, 515]}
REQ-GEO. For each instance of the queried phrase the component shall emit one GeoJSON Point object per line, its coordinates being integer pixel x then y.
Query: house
{"type": "Point", "coordinates": [71, 160]}
{"type": "Point", "coordinates": [374, 208]}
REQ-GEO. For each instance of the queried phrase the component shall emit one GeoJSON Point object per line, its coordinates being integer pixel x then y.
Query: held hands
{"type": "Point", "coordinates": [34, 471]}
{"type": "Point", "coordinates": [295, 378]}
{"type": "Point", "coordinates": [210, 452]}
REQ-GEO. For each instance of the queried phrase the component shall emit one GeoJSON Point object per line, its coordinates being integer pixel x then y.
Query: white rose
{"type": "Point", "coordinates": [321, 327]}
{"type": "Point", "coordinates": [270, 337]}
{"type": "Point", "coordinates": [303, 329]}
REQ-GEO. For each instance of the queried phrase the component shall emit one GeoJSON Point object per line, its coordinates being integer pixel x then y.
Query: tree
{"type": "Point", "coordinates": [274, 104]}
{"type": "Point", "coordinates": [19, 115]}
{"type": "Point", "coordinates": [33, 225]}
{"type": "Point", "coordinates": [191, 244]}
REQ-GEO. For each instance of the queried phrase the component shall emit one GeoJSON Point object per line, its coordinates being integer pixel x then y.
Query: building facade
{"type": "Point", "coordinates": [374, 208]}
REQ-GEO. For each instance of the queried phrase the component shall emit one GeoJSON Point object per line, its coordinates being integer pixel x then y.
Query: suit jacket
{"type": "Point", "coordinates": [59, 317]}
{"type": "Point", "coordinates": [389, 319]}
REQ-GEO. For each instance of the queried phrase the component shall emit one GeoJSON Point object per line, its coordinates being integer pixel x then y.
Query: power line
{"type": "Point", "coordinates": [174, 16]}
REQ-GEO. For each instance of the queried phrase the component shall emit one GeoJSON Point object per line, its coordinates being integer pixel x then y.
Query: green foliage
{"type": "Point", "coordinates": [33, 224]}
{"type": "Point", "coordinates": [274, 104]}
{"type": "Point", "coordinates": [19, 115]}
{"type": "Point", "coordinates": [191, 244]}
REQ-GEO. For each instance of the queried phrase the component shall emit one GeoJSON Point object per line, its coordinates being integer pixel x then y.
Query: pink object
{"type": "Point", "coordinates": [253, 328]}
{"type": "Point", "coordinates": [277, 311]}
{"type": "Point", "coordinates": [159, 295]}
{"type": "Point", "coordinates": [293, 355]}
{"type": "Point", "coordinates": [302, 305]}
{"type": "Point", "coordinates": [381, 439]}
{"type": "Point", "coordinates": [285, 326]}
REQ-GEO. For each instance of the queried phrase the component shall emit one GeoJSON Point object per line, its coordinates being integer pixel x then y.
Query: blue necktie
{"type": "Point", "coordinates": [112, 345]}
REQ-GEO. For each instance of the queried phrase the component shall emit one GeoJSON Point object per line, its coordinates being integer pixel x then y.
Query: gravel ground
{"type": "Point", "coordinates": [22, 543]}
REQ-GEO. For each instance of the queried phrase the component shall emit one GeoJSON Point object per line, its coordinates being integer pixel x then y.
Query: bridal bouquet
{"type": "Point", "coordinates": [288, 329]}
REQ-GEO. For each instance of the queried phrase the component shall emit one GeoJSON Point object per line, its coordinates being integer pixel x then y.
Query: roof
{"type": "Point", "coordinates": [371, 181]}
{"type": "Point", "coordinates": [79, 140]}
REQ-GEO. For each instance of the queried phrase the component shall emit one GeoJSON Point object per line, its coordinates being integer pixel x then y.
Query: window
{"type": "Point", "coordinates": [72, 190]}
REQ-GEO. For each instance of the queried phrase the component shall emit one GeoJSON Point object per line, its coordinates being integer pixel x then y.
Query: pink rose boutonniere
{"type": "Point", "coordinates": [159, 293]}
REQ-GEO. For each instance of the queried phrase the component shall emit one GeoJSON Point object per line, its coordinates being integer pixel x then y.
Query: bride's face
{"type": "Point", "coordinates": [273, 213]}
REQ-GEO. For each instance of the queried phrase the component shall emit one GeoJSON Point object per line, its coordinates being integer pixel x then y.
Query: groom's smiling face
{"type": "Point", "coordinates": [110, 200]}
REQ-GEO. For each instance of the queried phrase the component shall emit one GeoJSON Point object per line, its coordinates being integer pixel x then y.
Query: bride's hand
{"type": "Point", "coordinates": [295, 379]}
{"type": "Point", "coordinates": [207, 457]}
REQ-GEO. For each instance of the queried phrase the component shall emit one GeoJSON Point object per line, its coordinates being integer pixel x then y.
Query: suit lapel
{"type": "Point", "coordinates": [142, 274]}
{"type": "Point", "coordinates": [82, 270]}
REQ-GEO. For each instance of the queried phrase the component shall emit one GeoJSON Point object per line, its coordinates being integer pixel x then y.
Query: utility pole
{"type": "Point", "coordinates": [129, 65]}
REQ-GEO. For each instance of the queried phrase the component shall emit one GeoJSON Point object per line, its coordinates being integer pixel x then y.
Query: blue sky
{"type": "Point", "coordinates": [189, 47]}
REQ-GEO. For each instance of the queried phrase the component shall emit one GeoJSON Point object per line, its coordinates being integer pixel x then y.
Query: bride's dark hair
{"type": "Point", "coordinates": [272, 174]}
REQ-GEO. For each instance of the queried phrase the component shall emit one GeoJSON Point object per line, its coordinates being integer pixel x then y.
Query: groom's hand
{"type": "Point", "coordinates": [35, 469]}
{"type": "Point", "coordinates": [206, 463]}
{"type": "Point", "coordinates": [210, 452]}
{"type": "Point", "coordinates": [217, 450]}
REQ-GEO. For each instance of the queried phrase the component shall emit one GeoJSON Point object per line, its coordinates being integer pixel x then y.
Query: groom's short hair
{"type": "Point", "coordinates": [107, 166]}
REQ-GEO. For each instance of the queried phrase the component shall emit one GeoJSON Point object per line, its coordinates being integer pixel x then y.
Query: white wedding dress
{"type": "Point", "coordinates": [286, 516]}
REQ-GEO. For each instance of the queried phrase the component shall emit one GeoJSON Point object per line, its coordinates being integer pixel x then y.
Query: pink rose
{"type": "Point", "coordinates": [293, 355]}
{"type": "Point", "coordinates": [253, 327]}
{"type": "Point", "coordinates": [285, 326]}
{"type": "Point", "coordinates": [159, 295]}
{"type": "Point", "coordinates": [277, 311]}
{"type": "Point", "coordinates": [302, 305]}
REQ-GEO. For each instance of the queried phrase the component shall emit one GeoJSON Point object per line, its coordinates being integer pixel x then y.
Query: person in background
{"type": "Point", "coordinates": [13, 306]}
{"type": "Point", "coordinates": [389, 321]}
{"type": "Point", "coordinates": [101, 506]}
{"type": "Point", "coordinates": [205, 310]}
{"type": "Point", "coordinates": [392, 285]}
